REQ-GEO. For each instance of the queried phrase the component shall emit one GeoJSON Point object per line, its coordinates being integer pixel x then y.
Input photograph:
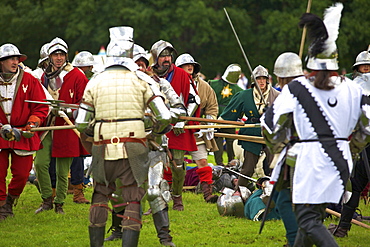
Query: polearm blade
{"type": "Point", "coordinates": [264, 217]}
{"type": "Point", "coordinates": [245, 57]}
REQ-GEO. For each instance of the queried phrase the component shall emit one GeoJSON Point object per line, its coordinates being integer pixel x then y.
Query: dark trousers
{"type": "Point", "coordinates": [229, 147]}
{"type": "Point", "coordinates": [311, 230]}
{"type": "Point", "coordinates": [359, 182]}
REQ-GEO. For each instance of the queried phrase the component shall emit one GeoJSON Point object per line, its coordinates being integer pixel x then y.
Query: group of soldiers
{"type": "Point", "coordinates": [136, 116]}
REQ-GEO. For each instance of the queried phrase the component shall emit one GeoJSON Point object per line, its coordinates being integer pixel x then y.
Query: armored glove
{"type": "Point", "coordinates": [33, 122]}
{"type": "Point", "coordinates": [178, 128]}
{"type": "Point", "coordinates": [210, 132]}
{"type": "Point", "coordinates": [8, 133]}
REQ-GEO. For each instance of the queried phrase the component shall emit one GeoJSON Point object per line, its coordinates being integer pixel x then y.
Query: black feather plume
{"type": "Point", "coordinates": [317, 33]}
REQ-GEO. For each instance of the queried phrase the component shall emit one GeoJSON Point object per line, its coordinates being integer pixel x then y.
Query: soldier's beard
{"type": "Point", "coordinates": [161, 70]}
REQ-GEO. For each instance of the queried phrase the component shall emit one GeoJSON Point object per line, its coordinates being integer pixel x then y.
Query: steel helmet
{"type": "Point", "coordinates": [121, 42]}
{"type": "Point", "coordinates": [160, 46]}
{"type": "Point", "coordinates": [362, 58]}
{"type": "Point", "coordinates": [10, 50]}
{"type": "Point", "coordinates": [139, 52]}
{"type": "Point", "coordinates": [43, 53]}
{"type": "Point", "coordinates": [57, 44]}
{"type": "Point", "coordinates": [188, 59]}
{"type": "Point", "coordinates": [232, 73]}
{"type": "Point", "coordinates": [230, 203]}
{"type": "Point", "coordinates": [288, 64]}
{"type": "Point", "coordinates": [260, 71]}
{"type": "Point", "coordinates": [83, 59]}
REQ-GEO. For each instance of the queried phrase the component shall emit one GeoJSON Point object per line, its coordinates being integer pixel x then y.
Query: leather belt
{"type": "Point", "coordinates": [115, 140]}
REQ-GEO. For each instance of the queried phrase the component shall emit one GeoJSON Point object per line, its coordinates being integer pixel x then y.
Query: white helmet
{"type": "Point", "coordinates": [139, 52]}
{"type": "Point", "coordinates": [43, 53]}
{"type": "Point", "coordinates": [260, 71]}
{"type": "Point", "coordinates": [362, 58]}
{"type": "Point", "coordinates": [10, 50]}
{"type": "Point", "coordinates": [188, 59]}
{"type": "Point", "coordinates": [83, 59]}
{"type": "Point", "coordinates": [232, 73]}
{"type": "Point", "coordinates": [288, 64]}
{"type": "Point", "coordinates": [121, 42]}
{"type": "Point", "coordinates": [57, 44]}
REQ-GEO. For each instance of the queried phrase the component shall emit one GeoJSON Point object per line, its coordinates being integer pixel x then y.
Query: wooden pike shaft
{"type": "Point", "coordinates": [71, 124]}
{"type": "Point", "coordinates": [199, 119]}
{"type": "Point", "coordinates": [63, 127]}
{"type": "Point", "coordinates": [356, 222]}
{"type": "Point", "coordinates": [256, 139]}
{"type": "Point", "coordinates": [219, 126]}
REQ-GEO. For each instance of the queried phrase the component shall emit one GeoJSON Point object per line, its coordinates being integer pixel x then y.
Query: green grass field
{"type": "Point", "coordinates": [199, 225]}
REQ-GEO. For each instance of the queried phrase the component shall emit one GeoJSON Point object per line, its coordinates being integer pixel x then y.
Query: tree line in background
{"type": "Point", "coordinates": [266, 28]}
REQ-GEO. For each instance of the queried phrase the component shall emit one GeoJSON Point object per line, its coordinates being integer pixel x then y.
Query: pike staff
{"type": "Point", "coordinates": [245, 57]}
{"type": "Point", "coordinates": [304, 31]}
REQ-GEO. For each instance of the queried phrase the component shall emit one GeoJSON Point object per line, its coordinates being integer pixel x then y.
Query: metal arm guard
{"type": "Point", "coordinates": [193, 101]}
{"type": "Point", "coordinates": [178, 108]}
{"type": "Point", "coordinates": [158, 189]}
{"type": "Point", "coordinates": [169, 93]}
{"type": "Point", "coordinates": [157, 105]}
{"type": "Point", "coordinates": [279, 137]}
{"type": "Point", "coordinates": [361, 137]}
{"type": "Point", "coordinates": [85, 115]}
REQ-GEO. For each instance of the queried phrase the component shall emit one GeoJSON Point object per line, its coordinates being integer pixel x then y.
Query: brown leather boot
{"type": "Point", "coordinates": [78, 195]}
{"type": "Point", "coordinates": [338, 231]}
{"type": "Point", "coordinates": [47, 204]}
{"type": "Point", "coordinates": [207, 193]}
{"type": "Point", "coordinates": [59, 208]}
{"type": "Point", "coordinates": [177, 203]}
{"type": "Point", "coordinates": [6, 210]}
{"type": "Point", "coordinates": [70, 187]}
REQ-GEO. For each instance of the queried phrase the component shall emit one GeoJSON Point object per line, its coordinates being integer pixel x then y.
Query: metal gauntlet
{"type": "Point", "coordinates": [86, 113]}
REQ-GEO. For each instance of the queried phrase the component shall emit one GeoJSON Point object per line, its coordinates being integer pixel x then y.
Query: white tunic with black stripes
{"type": "Point", "coordinates": [323, 166]}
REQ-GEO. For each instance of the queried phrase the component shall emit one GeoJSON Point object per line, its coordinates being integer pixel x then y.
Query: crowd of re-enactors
{"type": "Point", "coordinates": [136, 116]}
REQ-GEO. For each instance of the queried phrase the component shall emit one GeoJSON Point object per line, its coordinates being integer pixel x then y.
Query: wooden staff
{"type": "Point", "coordinates": [304, 31]}
{"type": "Point", "coordinates": [219, 126]}
{"type": "Point", "coordinates": [256, 139]}
{"type": "Point", "coordinates": [63, 127]}
{"type": "Point", "coordinates": [71, 124]}
{"type": "Point", "coordinates": [199, 119]}
{"type": "Point", "coordinates": [356, 222]}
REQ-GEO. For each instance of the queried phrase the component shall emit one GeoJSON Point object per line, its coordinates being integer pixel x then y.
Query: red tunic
{"type": "Point", "coordinates": [180, 81]}
{"type": "Point", "coordinates": [28, 89]}
{"type": "Point", "coordinates": [65, 142]}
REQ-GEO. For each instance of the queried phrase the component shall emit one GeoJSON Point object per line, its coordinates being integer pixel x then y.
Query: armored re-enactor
{"type": "Point", "coordinates": [158, 193]}
{"type": "Point", "coordinates": [226, 88]}
{"type": "Point", "coordinates": [112, 112]}
{"type": "Point", "coordinates": [16, 86]}
{"type": "Point", "coordinates": [63, 82]}
{"type": "Point", "coordinates": [205, 140]}
{"type": "Point", "coordinates": [315, 106]}
{"type": "Point", "coordinates": [180, 140]}
{"type": "Point", "coordinates": [361, 76]}
{"type": "Point", "coordinates": [251, 104]}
